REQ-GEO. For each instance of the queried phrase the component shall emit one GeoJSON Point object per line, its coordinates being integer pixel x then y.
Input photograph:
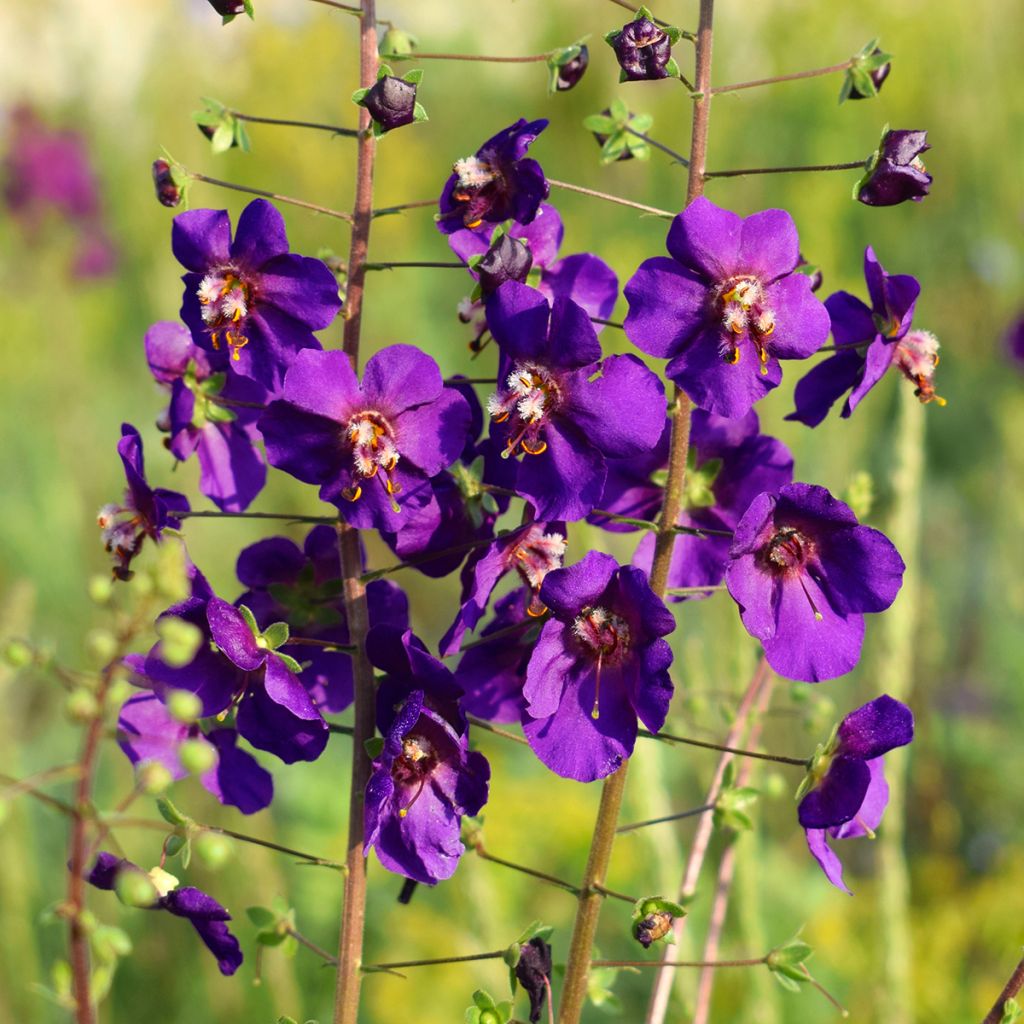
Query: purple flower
{"type": "Point", "coordinates": [146, 511]}
{"type": "Point", "coordinates": [731, 462]}
{"type": "Point", "coordinates": [424, 779]}
{"type": "Point", "coordinates": [498, 183]}
{"type": "Point", "coordinates": [168, 191]}
{"type": "Point", "coordinates": [845, 789]}
{"type": "Point", "coordinates": [643, 50]}
{"type": "Point", "coordinates": [301, 586]}
{"type": "Point", "coordinates": [868, 339]}
{"type": "Point", "coordinates": [599, 663]}
{"type": "Point", "coordinates": [251, 297]}
{"type": "Point", "coordinates": [562, 407]}
{"type": "Point", "coordinates": [895, 172]}
{"type": "Point", "coordinates": [210, 413]}
{"type": "Point", "coordinates": [204, 913]}
{"type": "Point", "coordinates": [148, 734]}
{"type": "Point", "coordinates": [567, 76]}
{"type": "Point", "coordinates": [391, 102]}
{"type": "Point", "coordinates": [228, 8]}
{"type": "Point", "coordinates": [532, 551]}
{"type": "Point", "coordinates": [726, 306]}
{"type": "Point", "coordinates": [372, 447]}
{"type": "Point", "coordinates": [237, 667]}
{"type": "Point", "coordinates": [803, 572]}
{"type": "Point", "coordinates": [533, 972]}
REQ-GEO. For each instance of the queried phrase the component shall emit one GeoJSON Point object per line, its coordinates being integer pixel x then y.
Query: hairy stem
{"type": "Point", "coordinates": [813, 73]}
{"type": "Point", "coordinates": [353, 913]}
{"type": "Point", "coordinates": [334, 129]}
{"type": "Point", "coordinates": [327, 211]}
{"type": "Point", "coordinates": [1010, 989]}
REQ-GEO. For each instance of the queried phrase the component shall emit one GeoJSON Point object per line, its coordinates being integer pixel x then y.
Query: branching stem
{"type": "Point", "coordinates": [813, 73]}
{"type": "Point", "coordinates": [325, 210]}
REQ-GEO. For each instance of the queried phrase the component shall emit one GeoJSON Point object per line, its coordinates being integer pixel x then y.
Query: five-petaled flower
{"type": "Point", "coordinates": [250, 296]}
{"type": "Point", "coordinates": [895, 171]}
{"type": "Point", "coordinates": [869, 340]}
{"type": "Point", "coordinates": [726, 305]}
{"type": "Point", "coordinates": [804, 572]}
{"type": "Point", "coordinates": [845, 792]}
{"type": "Point", "coordinates": [560, 406]}
{"type": "Point", "coordinates": [499, 182]}
{"type": "Point", "coordinates": [146, 512]}
{"type": "Point", "coordinates": [202, 911]}
{"type": "Point", "coordinates": [600, 661]}
{"type": "Point", "coordinates": [373, 446]}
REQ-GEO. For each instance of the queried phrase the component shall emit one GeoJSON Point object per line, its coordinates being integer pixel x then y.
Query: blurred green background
{"type": "Point", "coordinates": [128, 75]}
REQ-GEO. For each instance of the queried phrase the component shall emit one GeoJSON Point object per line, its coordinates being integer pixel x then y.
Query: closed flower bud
{"type": "Point", "coordinates": [228, 8]}
{"type": "Point", "coordinates": [895, 171]}
{"type": "Point", "coordinates": [197, 756]}
{"type": "Point", "coordinates": [508, 259]}
{"type": "Point", "coordinates": [877, 75]}
{"type": "Point", "coordinates": [168, 191]}
{"type": "Point", "coordinates": [533, 971]}
{"type": "Point", "coordinates": [643, 50]}
{"type": "Point", "coordinates": [569, 73]}
{"type": "Point", "coordinates": [184, 706]}
{"type": "Point", "coordinates": [152, 778]}
{"type": "Point", "coordinates": [213, 850]}
{"type": "Point", "coordinates": [391, 102]}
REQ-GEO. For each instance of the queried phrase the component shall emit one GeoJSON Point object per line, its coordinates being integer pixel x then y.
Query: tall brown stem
{"type": "Point", "coordinates": [1010, 989]}
{"type": "Point", "coordinates": [353, 914]}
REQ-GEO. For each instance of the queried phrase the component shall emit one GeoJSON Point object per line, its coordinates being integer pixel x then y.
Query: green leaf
{"type": "Point", "coordinates": [359, 95]}
{"type": "Point", "coordinates": [186, 854]}
{"type": "Point", "coordinates": [600, 123]}
{"type": "Point", "coordinates": [413, 77]}
{"type": "Point", "coordinates": [242, 137]}
{"type": "Point", "coordinates": [290, 663]}
{"type": "Point", "coordinates": [223, 137]}
{"type": "Point", "coordinates": [276, 634]}
{"type": "Point", "coordinates": [170, 813]}
{"type": "Point", "coordinates": [672, 67]}
{"type": "Point", "coordinates": [374, 747]}
{"type": "Point", "coordinates": [419, 113]}
{"type": "Point", "coordinates": [173, 845]}
{"type": "Point", "coordinates": [619, 109]}
{"type": "Point", "coordinates": [1012, 1012]}
{"type": "Point", "coordinates": [261, 917]}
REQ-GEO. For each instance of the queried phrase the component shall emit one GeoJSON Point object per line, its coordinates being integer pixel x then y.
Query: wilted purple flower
{"type": "Point", "coordinates": [803, 572]}
{"type": "Point", "coordinates": [846, 791]}
{"type": "Point", "coordinates": [234, 668]}
{"type": "Point", "coordinates": [204, 913]}
{"type": "Point", "coordinates": [533, 972]}
{"type": "Point", "coordinates": [568, 75]}
{"type": "Point", "coordinates": [146, 511]}
{"type": "Point", "coordinates": [599, 663]}
{"type": "Point", "coordinates": [251, 297]}
{"type": "Point", "coordinates": [868, 340]}
{"type": "Point", "coordinates": [642, 49]}
{"type": "Point", "coordinates": [391, 102]}
{"type": "Point", "coordinates": [168, 191]}
{"type": "Point", "coordinates": [561, 406]}
{"type": "Point", "coordinates": [302, 587]}
{"type": "Point", "coordinates": [895, 172]}
{"type": "Point", "coordinates": [423, 781]}
{"type": "Point", "coordinates": [726, 306]}
{"type": "Point", "coordinates": [498, 183]}
{"type": "Point", "coordinates": [211, 413]}
{"type": "Point", "coordinates": [148, 734]}
{"type": "Point", "coordinates": [532, 551]}
{"type": "Point", "coordinates": [731, 463]}
{"type": "Point", "coordinates": [372, 446]}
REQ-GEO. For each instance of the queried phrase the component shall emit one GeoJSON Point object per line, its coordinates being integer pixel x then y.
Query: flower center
{"type": "Point", "coordinates": [917, 355]}
{"type": "Point", "coordinates": [531, 394]}
{"type": "Point", "coordinates": [533, 559]}
{"type": "Point", "coordinates": [605, 636]}
{"type": "Point", "coordinates": [413, 766]}
{"type": "Point", "coordinates": [480, 185]}
{"type": "Point", "coordinates": [741, 303]}
{"type": "Point", "coordinates": [225, 300]}
{"type": "Point", "coordinates": [786, 554]}
{"type": "Point", "coordinates": [374, 453]}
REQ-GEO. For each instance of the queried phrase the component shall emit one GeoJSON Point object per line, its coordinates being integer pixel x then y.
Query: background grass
{"type": "Point", "coordinates": [128, 75]}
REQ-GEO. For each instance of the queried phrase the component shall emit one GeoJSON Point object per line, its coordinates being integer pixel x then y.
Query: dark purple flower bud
{"type": "Point", "coordinates": [391, 102]}
{"type": "Point", "coordinates": [877, 75]}
{"type": "Point", "coordinates": [804, 572]}
{"type": "Point", "coordinates": [533, 972]}
{"type": "Point", "coordinates": [203, 912]}
{"type": "Point", "coordinates": [508, 259]}
{"type": "Point", "coordinates": [569, 74]}
{"type": "Point", "coordinates": [643, 50]}
{"type": "Point", "coordinates": [895, 171]}
{"type": "Point", "coordinates": [812, 271]}
{"type": "Point", "coordinates": [168, 191]}
{"type": "Point", "coordinates": [845, 792]}
{"type": "Point", "coordinates": [228, 8]}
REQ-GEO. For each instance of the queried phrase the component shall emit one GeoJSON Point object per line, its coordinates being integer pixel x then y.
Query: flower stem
{"type": "Point", "coordinates": [415, 263]}
{"type": "Point", "coordinates": [558, 883]}
{"type": "Point", "coordinates": [532, 58]}
{"type": "Point", "coordinates": [678, 157]}
{"type": "Point", "coordinates": [327, 211]}
{"type": "Point", "coordinates": [813, 73]}
{"type": "Point", "coordinates": [334, 129]}
{"type": "Point", "coordinates": [284, 516]}
{"type": "Point", "coordinates": [267, 844]}
{"type": "Point", "coordinates": [749, 962]}
{"type": "Point", "coordinates": [479, 723]}
{"type": "Point", "coordinates": [1010, 989]}
{"type": "Point", "coordinates": [347, 8]}
{"type": "Point", "coordinates": [327, 645]}
{"type": "Point", "coordinates": [353, 913]}
{"type": "Point", "coordinates": [607, 323]}
{"type": "Point", "coordinates": [610, 198]}
{"type": "Point", "coordinates": [425, 558]}
{"type": "Point", "coordinates": [303, 941]}
{"type": "Point", "coordinates": [657, 21]}
{"type": "Point", "coordinates": [799, 762]}
{"type": "Point", "coordinates": [668, 817]}
{"type": "Point", "coordinates": [400, 964]}
{"type": "Point", "coordinates": [852, 165]}
{"type": "Point", "coordinates": [385, 211]}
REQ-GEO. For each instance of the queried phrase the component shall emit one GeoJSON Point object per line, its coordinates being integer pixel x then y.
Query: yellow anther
{"type": "Point", "coordinates": [352, 493]}
{"type": "Point", "coordinates": [535, 451]}
{"type": "Point", "coordinates": [734, 357]}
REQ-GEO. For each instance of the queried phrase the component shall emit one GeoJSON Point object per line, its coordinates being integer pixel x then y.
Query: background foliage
{"type": "Point", "coordinates": [128, 76]}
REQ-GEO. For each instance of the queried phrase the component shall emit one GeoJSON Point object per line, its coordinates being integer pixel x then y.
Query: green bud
{"type": "Point", "coordinates": [774, 785]}
{"type": "Point", "coordinates": [152, 778]}
{"type": "Point", "coordinates": [81, 706]}
{"type": "Point", "coordinates": [171, 573]}
{"type": "Point", "coordinates": [214, 850]}
{"type": "Point", "coordinates": [117, 693]}
{"type": "Point", "coordinates": [110, 943]}
{"type": "Point", "coordinates": [183, 706]}
{"type": "Point", "coordinates": [101, 644]}
{"type": "Point", "coordinates": [860, 494]}
{"type": "Point", "coordinates": [18, 654]}
{"type": "Point", "coordinates": [135, 889]}
{"type": "Point", "coordinates": [101, 589]}
{"type": "Point", "coordinates": [197, 756]}
{"type": "Point", "coordinates": [396, 43]}
{"type": "Point", "coordinates": [179, 640]}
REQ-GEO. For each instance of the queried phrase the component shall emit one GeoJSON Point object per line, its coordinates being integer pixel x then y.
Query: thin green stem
{"type": "Point", "coordinates": [657, 21]}
{"type": "Point", "coordinates": [470, 380]}
{"type": "Point", "coordinates": [431, 265]}
{"type": "Point", "coordinates": [813, 73]}
{"type": "Point", "coordinates": [402, 964]}
{"type": "Point", "coordinates": [325, 210]}
{"type": "Point", "coordinates": [532, 58]}
{"type": "Point", "coordinates": [608, 323]}
{"type": "Point", "coordinates": [479, 723]}
{"type": "Point", "coordinates": [386, 211]}
{"type": "Point", "coordinates": [668, 817]}
{"type": "Point", "coordinates": [340, 730]}
{"type": "Point", "coordinates": [749, 962]}
{"type": "Point", "coordinates": [678, 157]}
{"type": "Point", "coordinates": [558, 883]}
{"type": "Point", "coordinates": [334, 129]}
{"type": "Point", "coordinates": [853, 165]}
{"type": "Point", "coordinates": [347, 8]}
{"type": "Point", "coordinates": [498, 634]}
{"type": "Point", "coordinates": [267, 844]}
{"type": "Point", "coordinates": [313, 947]}
{"type": "Point", "coordinates": [611, 199]}
{"type": "Point", "coordinates": [690, 591]}
{"type": "Point", "coordinates": [798, 762]}
{"type": "Point", "coordinates": [327, 645]}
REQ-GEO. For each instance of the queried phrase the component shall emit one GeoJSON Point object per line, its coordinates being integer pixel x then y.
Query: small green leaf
{"type": "Point", "coordinates": [170, 813]}
{"type": "Point", "coordinates": [289, 663]}
{"type": "Point", "coordinates": [223, 138]}
{"type": "Point", "coordinates": [261, 917]}
{"type": "Point", "coordinates": [1012, 1012]}
{"type": "Point", "coordinates": [600, 123]}
{"type": "Point", "coordinates": [419, 113]}
{"type": "Point", "coordinates": [359, 95]}
{"type": "Point", "coordinates": [276, 634]}
{"type": "Point", "coordinates": [413, 77]}
{"type": "Point", "coordinates": [241, 139]}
